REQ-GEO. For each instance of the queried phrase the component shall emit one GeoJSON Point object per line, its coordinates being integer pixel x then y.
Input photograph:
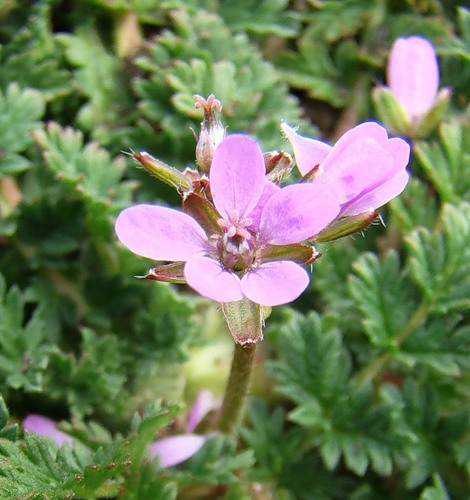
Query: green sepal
{"type": "Point", "coordinates": [302, 254]}
{"type": "Point", "coordinates": [391, 111]}
{"type": "Point", "coordinates": [168, 273]}
{"type": "Point", "coordinates": [163, 172]}
{"type": "Point", "coordinates": [346, 226]}
{"type": "Point", "coordinates": [204, 212]}
{"type": "Point", "coordinates": [434, 116]}
{"type": "Point", "coordinates": [245, 321]}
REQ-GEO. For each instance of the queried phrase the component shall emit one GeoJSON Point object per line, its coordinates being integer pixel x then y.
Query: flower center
{"type": "Point", "coordinates": [236, 247]}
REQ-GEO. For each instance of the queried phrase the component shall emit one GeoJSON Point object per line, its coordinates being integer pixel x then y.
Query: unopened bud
{"type": "Point", "coordinates": [434, 116]}
{"type": "Point", "coordinates": [163, 172]}
{"type": "Point", "coordinates": [212, 131]}
{"type": "Point", "coordinates": [391, 111]}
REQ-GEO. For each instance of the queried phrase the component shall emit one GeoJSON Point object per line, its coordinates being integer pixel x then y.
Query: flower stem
{"type": "Point", "coordinates": [237, 388]}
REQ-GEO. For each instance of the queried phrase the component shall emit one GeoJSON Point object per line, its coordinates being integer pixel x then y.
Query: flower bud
{"type": "Point", "coordinates": [212, 131]}
{"type": "Point", "coordinates": [163, 172]}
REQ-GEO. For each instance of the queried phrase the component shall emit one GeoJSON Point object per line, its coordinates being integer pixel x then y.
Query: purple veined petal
{"type": "Point", "coordinates": [211, 280]}
{"type": "Point", "coordinates": [46, 427]}
{"type": "Point", "coordinates": [269, 190]}
{"type": "Point", "coordinates": [160, 233]}
{"type": "Point", "coordinates": [237, 175]}
{"type": "Point", "coordinates": [413, 74]}
{"type": "Point", "coordinates": [297, 212]}
{"type": "Point", "coordinates": [176, 449]}
{"type": "Point", "coordinates": [275, 283]}
{"type": "Point", "coordinates": [379, 196]}
{"type": "Point", "coordinates": [365, 163]}
{"type": "Point", "coordinates": [308, 152]}
{"type": "Point", "coordinates": [205, 402]}
{"type": "Point", "coordinates": [387, 185]}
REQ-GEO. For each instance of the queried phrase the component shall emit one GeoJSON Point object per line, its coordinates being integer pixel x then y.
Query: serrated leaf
{"type": "Point", "coordinates": [445, 162]}
{"type": "Point", "coordinates": [380, 292]}
{"type": "Point", "coordinates": [439, 261]}
{"type": "Point", "coordinates": [20, 111]}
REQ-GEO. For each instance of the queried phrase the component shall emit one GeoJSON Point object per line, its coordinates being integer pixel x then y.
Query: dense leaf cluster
{"type": "Point", "coordinates": [363, 392]}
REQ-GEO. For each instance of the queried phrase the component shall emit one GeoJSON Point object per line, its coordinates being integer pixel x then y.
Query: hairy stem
{"type": "Point", "coordinates": [237, 388]}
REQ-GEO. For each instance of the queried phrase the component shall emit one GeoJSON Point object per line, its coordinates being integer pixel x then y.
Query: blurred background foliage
{"type": "Point", "coordinates": [362, 385]}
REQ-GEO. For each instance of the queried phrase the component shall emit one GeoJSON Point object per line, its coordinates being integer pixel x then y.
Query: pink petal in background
{"type": "Point", "coordinates": [413, 74]}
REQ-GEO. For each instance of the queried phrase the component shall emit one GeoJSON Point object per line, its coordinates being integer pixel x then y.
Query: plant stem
{"type": "Point", "coordinates": [237, 388]}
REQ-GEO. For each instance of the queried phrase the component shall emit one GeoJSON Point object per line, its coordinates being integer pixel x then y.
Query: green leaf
{"type": "Point", "coordinates": [381, 294]}
{"type": "Point", "coordinates": [88, 169]}
{"type": "Point", "coordinates": [439, 260]}
{"type": "Point", "coordinates": [445, 162]}
{"type": "Point", "coordinates": [24, 350]}
{"type": "Point", "coordinates": [20, 111]}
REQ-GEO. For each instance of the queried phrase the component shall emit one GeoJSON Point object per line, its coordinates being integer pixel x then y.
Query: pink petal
{"type": "Point", "coordinates": [160, 233]}
{"type": "Point", "coordinates": [237, 175]}
{"type": "Point", "coordinates": [211, 280]}
{"type": "Point", "coordinates": [379, 196]}
{"type": "Point", "coordinates": [389, 183]}
{"type": "Point", "coordinates": [275, 283]}
{"type": "Point", "coordinates": [46, 427]}
{"type": "Point", "coordinates": [364, 163]}
{"type": "Point", "coordinates": [176, 449]}
{"type": "Point", "coordinates": [204, 403]}
{"type": "Point", "coordinates": [372, 130]}
{"type": "Point", "coordinates": [269, 190]}
{"type": "Point", "coordinates": [308, 152]}
{"type": "Point", "coordinates": [296, 213]}
{"type": "Point", "coordinates": [413, 74]}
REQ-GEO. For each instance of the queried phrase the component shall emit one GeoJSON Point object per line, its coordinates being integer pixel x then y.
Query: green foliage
{"type": "Point", "coordinates": [20, 111]}
{"type": "Point", "coordinates": [24, 353]}
{"type": "Point", "coordinates": [445, 162]}
{"type": "Point", "coordinates": [366, 393]}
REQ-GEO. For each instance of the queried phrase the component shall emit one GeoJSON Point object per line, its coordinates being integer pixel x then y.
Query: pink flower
{"type": "Point", "coordinates": [230, 260]}
{"type": "Point", "coordinates": [176, 449]}
{"type": "Point", "coordinates": [413, 75]}
{"type": "Point", "coordinates": [46, 427]}
{"type": "Point", "coordinates": [364, 168]}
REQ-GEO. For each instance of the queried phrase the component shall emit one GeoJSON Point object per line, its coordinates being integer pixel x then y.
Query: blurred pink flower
{"type": "Point", "coordinates": [45, 426]}
{"type": "Point", "coordinates": [228, 263]}
{"type": "Point", "coordinates": [364, 168]}
{"type": "Point", "coordinates": [413, 75]}
{"type": "Point", "coordinates": [176, 449]}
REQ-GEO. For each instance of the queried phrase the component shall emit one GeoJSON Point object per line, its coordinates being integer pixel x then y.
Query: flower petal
{"type": "Point", "coordinates": [388, 182]}
{"type": "Point", "coordinates": [275, 283]}
{"type": "Point", "coordinates": [296, 213]}
{"type": "Point", "coordinates": [46, 427]}
{"type": "Point", "coordinates": [364, 163]}
{"type": "Point", "coordinates": [255, 215]}
{"type": "Point", "coordinates": [308, 152]}
{"type": "Point", "coordinates": [211, 280]}
{"type": "Point", "coordinates": [205, 402]}
{"type": "Point", "coordinates": [413, 74]}
{"type": "Point", "coordinates": [379, 196]}
{"type": "Point", "coordinates": [176, 449]}
{"type": "Point", "coordinates": [237, 175]}
{"type": "Point", "coordinates": [160, 233]}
